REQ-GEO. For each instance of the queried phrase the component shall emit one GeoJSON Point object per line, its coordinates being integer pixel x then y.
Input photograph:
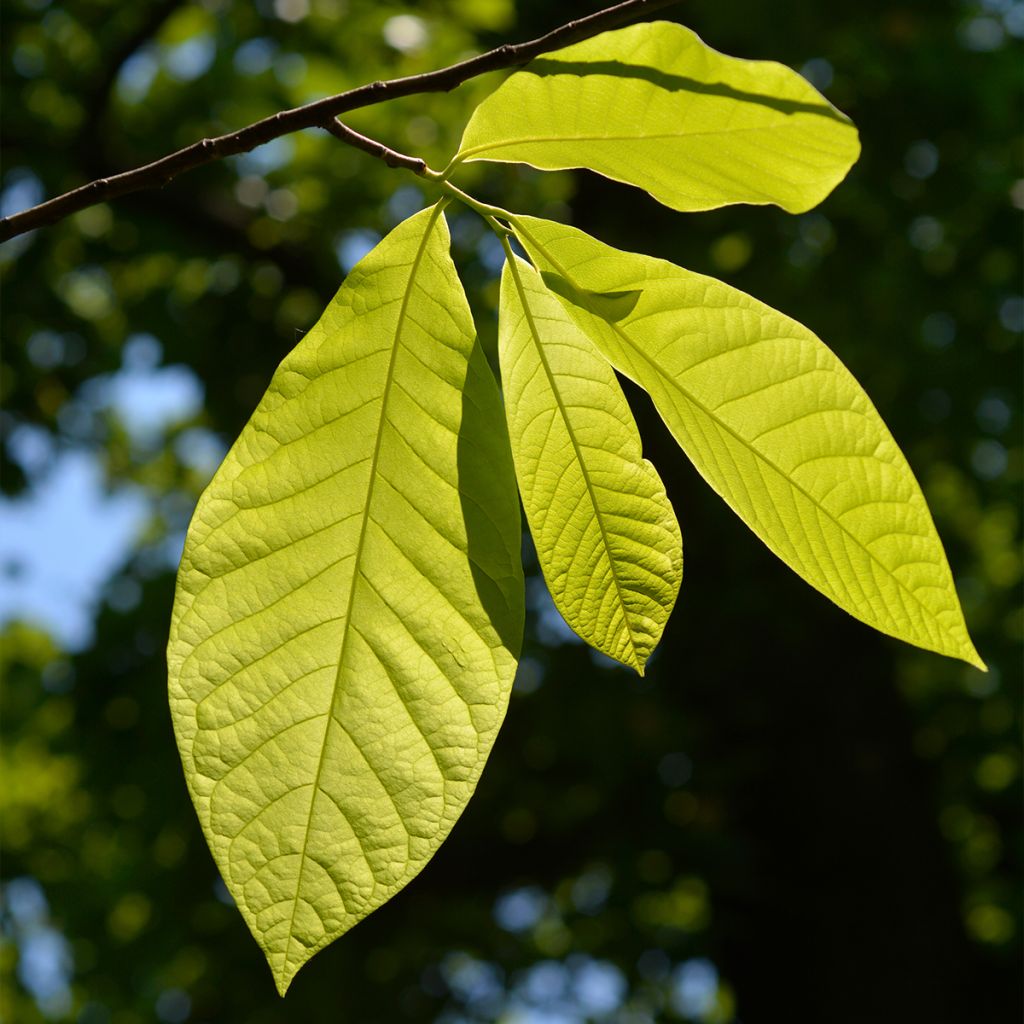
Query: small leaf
{"type": "Point", "coordinates": [778, 426]}
{"type": "Point", "coordinates": [606, 537]}
{"type": "Point", "coordinates": [652, 106]}
{"type": "Point", "coordinates": [350, 605]}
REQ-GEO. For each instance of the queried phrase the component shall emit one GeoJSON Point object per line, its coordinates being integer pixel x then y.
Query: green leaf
{"type": "Point", "coordinates": [778, 426]}
{"type": "Point", "coordinates": [350, 605]}
{"type": "Point", "coordinates": [606, 537]}
{"type": "Point", "coordinates": [652, 106]}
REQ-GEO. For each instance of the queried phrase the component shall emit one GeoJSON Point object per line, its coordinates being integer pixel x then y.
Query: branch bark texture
{"type": "Point", "coordinates": [321, 113]}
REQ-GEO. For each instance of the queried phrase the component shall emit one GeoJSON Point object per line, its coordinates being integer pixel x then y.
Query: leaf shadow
{"type": "Point", "coordinates": [611, 306]}
{"type": "Point", "coordinates": [489, 499]}
{"type": "Point", "coordinates": [542, 66]}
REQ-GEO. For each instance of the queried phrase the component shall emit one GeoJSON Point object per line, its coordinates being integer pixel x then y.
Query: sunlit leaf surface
{"type": "Point", "coordinates": [652, 106]}
{"type": "Point", "coordinates": [606, 537]}
{"type": "Point", "coordinates": [776, 424]}
{"type": "Point", "coordinates": [350, 605]}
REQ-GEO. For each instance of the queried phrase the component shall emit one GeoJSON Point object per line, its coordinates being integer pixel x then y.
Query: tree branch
{"type": "Point", "coordinates": [318, 114]}
{"type": "Point", "coordinates": [390, 156]}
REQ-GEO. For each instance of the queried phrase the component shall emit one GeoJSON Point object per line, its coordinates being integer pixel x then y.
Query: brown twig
{"type": "Point", "coordinates": [390, 156]}
{"type": "Point", "coordinates": [321, 114]}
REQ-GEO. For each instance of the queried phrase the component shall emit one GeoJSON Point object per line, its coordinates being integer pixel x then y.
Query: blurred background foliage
{"type": "Point", "coordinates": [790, 819]}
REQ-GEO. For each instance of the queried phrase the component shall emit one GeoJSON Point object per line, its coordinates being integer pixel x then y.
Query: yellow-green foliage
{"type": "Point", "coordinates": [350, 601]}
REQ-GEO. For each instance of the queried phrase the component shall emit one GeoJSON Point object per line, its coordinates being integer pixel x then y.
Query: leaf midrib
{"type": "Point", "coordinates": [579, 457]}
{"type": "Point", "coordinates": [742, 441]}
{"type": "Point", "coordinates": [466, 154]}
{"type": "Point", "coordinates": [388, 381]}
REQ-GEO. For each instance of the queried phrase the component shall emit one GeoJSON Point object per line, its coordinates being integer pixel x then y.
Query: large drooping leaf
{"type": "Point", "coordinates": [775, 423]}
{"type": "Point", "coordinates": [606, 537]}
{"type": "Point", "coordinates": [652, 106]}
{"type": "Point", "coordinates": [350, 605]}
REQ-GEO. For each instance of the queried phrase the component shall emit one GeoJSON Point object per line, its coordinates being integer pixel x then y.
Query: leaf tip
{"type": "Point", "coordinates": [963, 649]}
{"type": "Point", "coordinates": [973, 658]}
{"type": "Point", "coordinates": [284, 974]}
{"type": "Point", "coordinates": [630, 655]}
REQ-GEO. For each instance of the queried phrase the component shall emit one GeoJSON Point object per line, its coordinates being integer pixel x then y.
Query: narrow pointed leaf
{"type": "Point", "coordinates": [349, 605]}
{"type": "Point", "coordinates": [652, 106]}
{"type": "Point", "coordinates": [605, 533]}
{"type": "Point", "coordinates": [776, 424]}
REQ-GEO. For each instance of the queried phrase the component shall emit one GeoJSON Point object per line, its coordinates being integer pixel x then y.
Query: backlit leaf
{"type": "Point", "coordinates": [652, 106]}
{"type": "Point", "coordinates": [777, 425]}
{"type": "Point", "coordinates": [350, 605]}
{"type": "Point", "coordinates": [606, 537]}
